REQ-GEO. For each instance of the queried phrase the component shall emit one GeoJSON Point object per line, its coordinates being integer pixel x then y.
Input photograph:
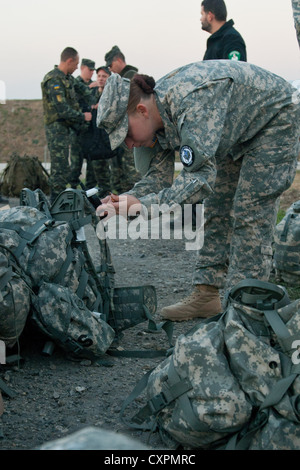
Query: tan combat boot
{"type": "Point", "coordinates": [204, 302]}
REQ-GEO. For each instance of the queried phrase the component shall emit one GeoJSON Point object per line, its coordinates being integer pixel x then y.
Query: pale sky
{"type": "Point", "coordinates": [156, 36]}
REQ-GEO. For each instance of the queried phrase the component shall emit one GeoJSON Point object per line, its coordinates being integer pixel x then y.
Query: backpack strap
{"type": "Point", "coordinates": [176, 388]}
{"type": "Point", "coordinates": [28, 236]}
{"type": "Point", "coordinates": [258, 294]}
{"type": "Point", "coordinates": [241, 441]}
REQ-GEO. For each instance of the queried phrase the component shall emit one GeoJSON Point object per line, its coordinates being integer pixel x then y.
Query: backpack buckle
{"type": "Point", "coordinates": [158, 402]}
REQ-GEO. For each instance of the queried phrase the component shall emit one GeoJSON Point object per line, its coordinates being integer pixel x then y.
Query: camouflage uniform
{"type": "Point", "coordinates": [296, 12]}
{"type": "Point", "coordinates": [102, 170]}
{"type": "Point", "coordinates": [237, 129]}
{"type": "Point", "coordinates": [123, 171]}
{"type": "Point", "coordinates": [63, 119]}
{"type": "Point", "coordinates": [77, 150]}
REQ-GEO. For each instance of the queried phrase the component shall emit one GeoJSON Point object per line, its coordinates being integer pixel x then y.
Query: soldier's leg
{"type": "Point", "coordinates": [130, 175]}
{"type": "Point", "coordinates": [58, 139]}
{"type": "Point", "coordinates": [116, 174]}
{"type": "Point", "coordinates": [90, 177]}
{"type": "Point", "coordinates": [76, 162]}
{"type": "Point", "coordinates": [255, 214]}
{"type": "Point", "coordinates": [212, 262]}
{"type": "Point", "coordinates": [102, 174]}
{"type": "Point", "coordinates": [267, 171]}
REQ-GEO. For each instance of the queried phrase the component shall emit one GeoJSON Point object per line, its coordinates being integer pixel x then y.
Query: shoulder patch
{"type": "Point", "coordinates": [187, 155]}
{"type": "Point", "coordinates": [234, 55]}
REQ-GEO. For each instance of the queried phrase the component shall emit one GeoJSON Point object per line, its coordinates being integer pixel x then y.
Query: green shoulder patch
{"type": "Point", "coordinates": [234, 55]}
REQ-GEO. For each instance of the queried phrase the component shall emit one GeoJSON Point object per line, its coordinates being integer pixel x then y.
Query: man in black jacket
{"type": "Point", "coordinates": [225, 41]}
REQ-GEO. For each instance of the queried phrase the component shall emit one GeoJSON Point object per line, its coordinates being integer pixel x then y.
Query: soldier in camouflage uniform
{"type": "Point", "coordinates": [123, 171]}
{"type": "Point", "coordinates": [102, 167]}
{"type": "Point", "coordinates": [296, 12]}
{"type": "Point", "coordinates": [62, 117]}
{"type": "Point", "coordinates": [86, 102]}
{"type": "Point", "coordinates": [237, 128]}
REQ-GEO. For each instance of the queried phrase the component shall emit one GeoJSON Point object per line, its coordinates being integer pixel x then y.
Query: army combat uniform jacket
{"type": "Point", "coordinates": [63, 118]}
{"type": "Point", "coordinates": [210, 109]}
{"type": "Point", "coordinates": [236, 128]}
{"type": "Point", "coordinates": [60, 101]}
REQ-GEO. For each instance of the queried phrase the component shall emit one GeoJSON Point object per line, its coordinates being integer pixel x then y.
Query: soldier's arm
{"type": "Point", "coordinates": [234, 49]}
{"type": "Point", "coordinates": [57, 96]}
{"type": "Point", "coordinates": [84, 92]}
{"type": "Point", "coordinates": [200, 131]}
{"type": "Point", "coordinates": [158, 185]}
{"type": "Point", "coordinates": [157, 169]}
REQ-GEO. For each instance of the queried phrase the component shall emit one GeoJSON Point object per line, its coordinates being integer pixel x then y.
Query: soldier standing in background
{"type": "Point", "coordinates": [237, 129]}
{"type": "Point", "coordinates": [296, 12]}
{"type": "Point", "coordinates": [102, 166]}
{"type": "Point", "coordinates": [225, 41]}
{"type": "Point", "coordinates": [123, 172]}
{"type": "Point", "coordinates": [62, 117]}
{"type": "Point", "coordinates": [85, 101]}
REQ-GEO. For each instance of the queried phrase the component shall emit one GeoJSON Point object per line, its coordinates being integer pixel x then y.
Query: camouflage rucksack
{"type": "Point", "coordinates": [23, 172]}
{"type": "Point", "coordinates": [287, 247]}
{"type": "Point", "coordinates": [233, 381]}
{"type": "Point", "coordinates": [64, 285]}
{"type": "Point", "coordinates": [37, 251]}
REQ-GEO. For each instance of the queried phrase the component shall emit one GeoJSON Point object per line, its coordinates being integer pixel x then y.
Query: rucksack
{"type": "Point", "coordinates": [47, 253]}
{"type": "Point", "coordinates": [232, 382]}
{"type": "Point", "coordinates": [287, 247]}
{"type": "Point", "coordinates": [62, 287]}
{"type": "Point", "coordinates": [23, 172]}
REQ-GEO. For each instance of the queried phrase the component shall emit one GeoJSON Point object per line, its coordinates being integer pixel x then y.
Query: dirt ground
{"type": "Point", "coordinates": [54, 396]}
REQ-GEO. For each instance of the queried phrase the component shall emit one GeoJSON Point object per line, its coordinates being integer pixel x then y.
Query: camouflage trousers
{"type": "Point", "coordinates": [123, 172]}
{"type": "Point", "coordinates": [240, 215]}
{"type": "Point", "coordinates": [77, 158]}
{"type": "Point", "coordinates": [102, 175]}
{"type": "Point", "coordinates": [59, 139]}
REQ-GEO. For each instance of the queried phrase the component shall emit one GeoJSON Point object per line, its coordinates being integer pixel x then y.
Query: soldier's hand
{"type": "Point", "coordinates": [123, 205]}
{"type": "Point", "coordinates": [87, 116]}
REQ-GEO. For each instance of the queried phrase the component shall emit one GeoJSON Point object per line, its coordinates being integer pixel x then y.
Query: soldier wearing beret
{"type": "Point", "coordinates": [62, 117]}
{"type": "Point", "coordinates": [236, 127]}
{"type": "Point", "coordinates": [123, 172]}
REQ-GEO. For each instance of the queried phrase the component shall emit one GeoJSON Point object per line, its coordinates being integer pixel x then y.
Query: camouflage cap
{"type": "Point", "coordinates": [112, 109]}
{"type": "Point", "coordinates": [103, 67]}
{"type": "Point", "coordinates": [110, 55]}
{"type": "Point", "coordinates": [89, 63]}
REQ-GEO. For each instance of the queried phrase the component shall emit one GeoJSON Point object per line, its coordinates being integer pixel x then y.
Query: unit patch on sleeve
{"type": "Point", "coordinates": [234, 55]}
{"type": "Point", "coordinates": [187, 155]}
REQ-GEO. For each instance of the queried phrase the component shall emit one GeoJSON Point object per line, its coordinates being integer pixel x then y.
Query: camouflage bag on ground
{"type": "Point", "coordinates": [15, 298]}
{"type": "Point", "coordinates": [47, 251]}
{"type": "Point", "coordinates": [23, 172]}
{"type": "Point", "coordinates": [53, 252]}
{"type": "Point", "coordinates": [233, 381]}
{"type": "Point", "coordinates": [287, 247]}
{"type": "Point", "coordinates": [63, 317]}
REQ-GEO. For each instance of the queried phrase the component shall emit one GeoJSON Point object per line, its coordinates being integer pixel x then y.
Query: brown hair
{"type": "Point", "coordinates": [141, 86]}
{"type": "Point", "coordinates": [68, 53]}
